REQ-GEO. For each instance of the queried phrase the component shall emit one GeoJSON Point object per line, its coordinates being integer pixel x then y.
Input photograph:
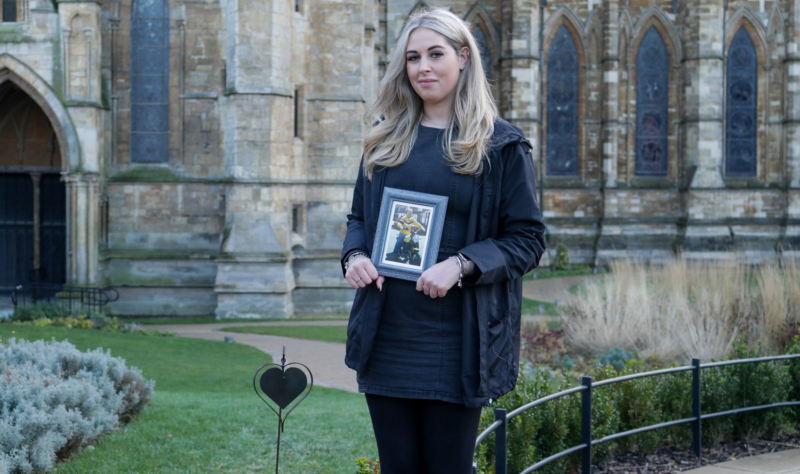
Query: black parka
{"type": "Point", "coordinates": [505, 239]}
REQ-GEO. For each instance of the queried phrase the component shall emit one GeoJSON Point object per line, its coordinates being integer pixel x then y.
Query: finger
{"type": "Point", "coordinates": [371, 270]}
{"type": "Point", "coordinates": [420, 284]}
{"type": "Point", "coordinates": [351, 282]}
{"type": "Point", "coordinates": [364, 275]}
{"type": "Point", "coordinates": [380, 283]}
{"type": "Point", "coordinates": [358, 280]}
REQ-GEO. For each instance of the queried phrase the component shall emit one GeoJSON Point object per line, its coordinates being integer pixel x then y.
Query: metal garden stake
{"type": "Point", "coordinates": [282, 384]}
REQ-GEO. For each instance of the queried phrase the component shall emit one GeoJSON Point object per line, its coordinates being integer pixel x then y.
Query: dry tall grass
{"type": "Point", "coordinates": [686, 309]}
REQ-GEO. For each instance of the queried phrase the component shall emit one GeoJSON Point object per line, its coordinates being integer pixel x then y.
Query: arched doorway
{"type": "Point", "coordinates": [32, 195]}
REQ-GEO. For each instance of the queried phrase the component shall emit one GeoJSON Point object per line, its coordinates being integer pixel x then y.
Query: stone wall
{"type": "Point", "coordinates": [245, 215]}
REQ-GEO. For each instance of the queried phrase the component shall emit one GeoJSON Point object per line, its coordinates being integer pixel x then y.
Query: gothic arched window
{"type": "Point", "coordinates": [741, 114]}
{"type": "Point", "coordinates": [150, 81]}
{"type": "Point", "coordinates": [652, 105]}
{"type": "Point", "coordinates": [486, 59]}
{"type": "Point", "coordinates": [562, 105]}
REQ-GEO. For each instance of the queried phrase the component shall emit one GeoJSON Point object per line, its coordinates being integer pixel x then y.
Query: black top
{"type": "Point", "coordinates": [417, 351]}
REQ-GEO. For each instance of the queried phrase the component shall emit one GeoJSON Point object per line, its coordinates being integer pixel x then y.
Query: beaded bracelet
{"type": "Point", "coordinates": [460, 269]}
{"type": "Point", "coordinates": [350, 259]}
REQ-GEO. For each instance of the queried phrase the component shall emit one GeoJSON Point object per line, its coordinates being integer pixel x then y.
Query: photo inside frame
{"type": "Point", "coordinates": [407, 235]}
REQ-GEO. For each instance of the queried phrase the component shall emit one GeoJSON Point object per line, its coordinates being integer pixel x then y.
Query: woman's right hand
{"type": "Point", "coordinates": [362, 272]}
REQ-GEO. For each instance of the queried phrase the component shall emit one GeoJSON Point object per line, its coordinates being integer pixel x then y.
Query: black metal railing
{"type": "Point", "coordinates": [501, 418]}
{"type": "Point", "coordinates": [72, 298]}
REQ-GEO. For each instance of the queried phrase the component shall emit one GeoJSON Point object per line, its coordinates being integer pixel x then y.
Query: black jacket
{"type": "Point", "coordinates": [505, 239]}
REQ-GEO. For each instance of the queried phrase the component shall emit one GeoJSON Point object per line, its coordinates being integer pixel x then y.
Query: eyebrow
{"type": "Point", "coordinates": [432, 47]}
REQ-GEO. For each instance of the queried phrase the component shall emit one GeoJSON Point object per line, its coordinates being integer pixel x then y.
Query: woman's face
{"type": "Point", "coordinates": [433, 66]}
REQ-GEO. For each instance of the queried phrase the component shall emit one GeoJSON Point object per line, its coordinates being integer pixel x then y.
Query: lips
{"type": "Point", "coordinates": [426, 82]}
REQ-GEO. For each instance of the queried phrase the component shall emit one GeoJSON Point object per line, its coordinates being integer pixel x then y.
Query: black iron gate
{"type": "Point", "coordinates": [17, 243]}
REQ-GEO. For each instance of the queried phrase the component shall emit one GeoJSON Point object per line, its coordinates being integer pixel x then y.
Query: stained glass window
{"type": "Point", "coordinates": [562, 105]}
{"type": "Point", "coordinates": [652, 104]}
{"type": "Point", "coordinates": [486, 60]}
{"type": "Point", "coordinates": [741, 119]}
{"type": "Point", "coordinates": [9, 10]}
{"type": "Point", "coordinates": [149, 81]}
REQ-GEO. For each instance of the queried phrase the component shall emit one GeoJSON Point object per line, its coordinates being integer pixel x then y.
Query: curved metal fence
{"type": "Point", "coordinates": [502, 418]}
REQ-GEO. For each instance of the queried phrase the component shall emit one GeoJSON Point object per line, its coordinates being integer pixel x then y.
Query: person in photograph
{"type": "Point", "coordinates": [405, 224]}
{"type": "Point", "coordinates": [429, 354]}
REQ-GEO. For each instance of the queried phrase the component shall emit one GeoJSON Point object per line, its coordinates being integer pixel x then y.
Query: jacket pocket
{"type": "Point", "coordinates": [498, 352]}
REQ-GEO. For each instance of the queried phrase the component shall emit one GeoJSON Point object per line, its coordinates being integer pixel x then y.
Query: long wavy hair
{"type": "Point", "coordinates": [393, 118]}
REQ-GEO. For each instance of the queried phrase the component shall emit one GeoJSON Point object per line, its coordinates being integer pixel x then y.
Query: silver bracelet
{"type": "Point", "coordinates": [465, 264]}
{"type": "Point", "coordinates": [460, 269]}
{"type": "Point", "coordinates": [350, 259]}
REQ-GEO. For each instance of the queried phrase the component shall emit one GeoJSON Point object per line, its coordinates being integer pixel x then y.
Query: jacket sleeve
{"type": "Point", "coordinates": [356, 237]}
{"type": "Point", "coordinates": [520, 239]}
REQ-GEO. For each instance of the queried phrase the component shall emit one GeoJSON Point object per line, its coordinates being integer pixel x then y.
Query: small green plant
{"type": "Point", "coordinates": [39, 310]}
{"type": "Point", "coordinates": [368, 466]}
{"type": "Point", "coordinates": [616, 358]}
{"type": "Point", "coordinates": [561, 262]}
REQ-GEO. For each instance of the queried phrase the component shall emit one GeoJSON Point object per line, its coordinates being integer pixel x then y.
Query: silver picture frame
{"type": "Point", "coordinates": [408, 234]}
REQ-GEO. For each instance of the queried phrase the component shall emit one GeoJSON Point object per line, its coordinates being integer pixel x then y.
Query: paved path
{"type": "Point", "coordinates": [326, 359]}
{"type": "Point", "coordinates": [784, 462]}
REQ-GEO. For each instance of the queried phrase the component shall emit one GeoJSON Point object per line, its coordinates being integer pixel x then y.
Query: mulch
{"type": "Point", "coordinates": [670, 460]}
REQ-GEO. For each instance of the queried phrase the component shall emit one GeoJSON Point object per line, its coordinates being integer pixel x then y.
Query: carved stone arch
{"type": "Point", "coordinates": [479, 16]}
{"type": "Point", "coordinates": [564, 17]}
{"type": "Point", "coordinates": [12, 69]}
{"type": "Point", "coordinates": [593, 31]}
{"type": "Point", "coordinates": [745, 16]}
{"type": "Point", "coordinates": [776, 42]}
{"type": "Point", "coordinates": [77, 61]}
{"type": "Point", "coordinates": [747, 20]}
{"type": "Point", "coordinates": [625, 33]}
{"type": "Point", "coordinates": [655, 16]}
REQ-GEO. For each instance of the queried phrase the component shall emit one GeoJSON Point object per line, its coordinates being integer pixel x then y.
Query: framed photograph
{"type": "Point", "coordinates": [409, 231]}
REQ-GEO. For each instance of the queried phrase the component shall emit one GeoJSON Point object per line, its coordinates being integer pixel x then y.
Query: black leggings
{"type": "Point", "coordinates": [423, 436]}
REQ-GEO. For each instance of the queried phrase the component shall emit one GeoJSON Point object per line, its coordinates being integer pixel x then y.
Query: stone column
{"type": "Point", "coordinates": [83, 100]}
{"type": "Point", "coordinates": [703, 76]}
{"type": "Point", "coordinates": [340, 81]}
{"type": "Point", "coordinates": [791, 240]}
{"type": "Point", "coordinates": [520, 64]}
{"type": "Point", "coordinates": [82, 229]}
{"type": "Point", "coordinates": [254, 277]}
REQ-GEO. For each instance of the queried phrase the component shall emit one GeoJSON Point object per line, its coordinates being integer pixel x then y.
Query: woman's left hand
{"type": "Point", "coordinates": [437, 280]}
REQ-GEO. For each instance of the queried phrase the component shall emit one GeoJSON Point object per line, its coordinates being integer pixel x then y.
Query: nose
{"type": "Point", "coordinates": [424, 65]}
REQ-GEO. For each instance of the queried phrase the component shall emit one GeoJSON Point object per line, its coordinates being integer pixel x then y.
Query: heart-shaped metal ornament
{"type": "Point", "coordinates": [283, 384]}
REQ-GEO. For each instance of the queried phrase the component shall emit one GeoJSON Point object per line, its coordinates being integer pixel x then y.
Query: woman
{"type": "Point", "coordinates": [429, 354]}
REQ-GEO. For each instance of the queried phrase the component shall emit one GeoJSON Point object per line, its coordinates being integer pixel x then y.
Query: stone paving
{"type": "Point", "coordinates": [326, 359]}
{"type": "Point", "coordinates": [783, 462]}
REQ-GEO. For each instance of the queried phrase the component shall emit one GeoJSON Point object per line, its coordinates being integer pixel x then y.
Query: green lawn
{"type": "Point", "coordinates": [206, 418]}
{"type": "Point", "coordinates": [531, 307]}
{"type": "Point", "coordinates": [319, 333]}
{"type": "Point", "coordinates": [544, 273]}
{"type": "Point", "coordinates": [211, 319]}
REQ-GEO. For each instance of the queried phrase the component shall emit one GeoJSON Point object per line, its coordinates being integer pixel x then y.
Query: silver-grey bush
{"type": "Point", "coordinates": [55, 398]}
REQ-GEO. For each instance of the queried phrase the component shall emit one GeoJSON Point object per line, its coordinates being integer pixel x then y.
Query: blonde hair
{"type": "Point", "coordinates": [398, 109]}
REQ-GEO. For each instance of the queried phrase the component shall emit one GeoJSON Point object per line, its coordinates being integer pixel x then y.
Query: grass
{"type": "Point", "coordinates": [205, 416]}
{"type": "Point", "coordinates": [318, 333]}
{"type": "Point", "coordinates": [544, 273]}
{"type": "Point", "coordinates": [211, 319]}
{"type": "Point", "coordinates": [531, 307]}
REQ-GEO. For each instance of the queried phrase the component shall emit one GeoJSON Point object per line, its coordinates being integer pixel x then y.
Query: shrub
{"type": "Point", "coordinates": [39, 310]}
{"type": "Point", "coordinates": [561, 262]}
{"type": "Point", "coordinates": [556, 425]}
{"type": "Point", "coordinates": [54, 399]}
{"type": "Point", "coordinates": [368, 466]}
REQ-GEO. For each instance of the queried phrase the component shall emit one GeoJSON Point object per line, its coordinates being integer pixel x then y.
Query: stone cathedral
{"type": "Point", "coordinates": [199, 155]}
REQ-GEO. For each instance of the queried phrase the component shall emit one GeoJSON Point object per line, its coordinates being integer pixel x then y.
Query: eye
{"type": "Point", "coordinates": [437, 54]}
{"type": "Point", "coordinates": [412, 58]}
